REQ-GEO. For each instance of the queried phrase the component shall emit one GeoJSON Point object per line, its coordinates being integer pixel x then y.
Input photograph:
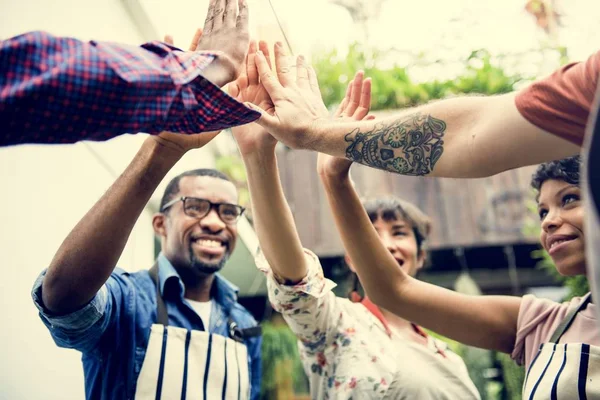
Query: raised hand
{"type": "Point", "coordinates": [355, 106]}
{"type": "Point", "coordinates": [296, 96]}
{"type": "Point", "coordinates": [247, 88]}
{"type": "Point", "coordinates": [226, 30]}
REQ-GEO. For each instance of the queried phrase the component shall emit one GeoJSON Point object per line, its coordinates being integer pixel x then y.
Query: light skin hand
{"type": "Point", "coordinates": [252, 137]}
{"type": "Point", "coordinates": [295, 95]}
{"type": "Point", "coordinates": [354, 107]}
{"type": "Point", "coordinates": [225, 30]}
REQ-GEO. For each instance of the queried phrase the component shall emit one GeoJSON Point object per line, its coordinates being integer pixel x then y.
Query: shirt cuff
{"type": "Point", "coordinates": [215, 106]}
{"type": "Point", "coordinates": [286, 297]}
{"type": "Point", "coordinates": [76, 320]}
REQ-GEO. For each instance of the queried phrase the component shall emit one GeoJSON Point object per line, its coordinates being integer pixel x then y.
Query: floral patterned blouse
{"type": "Point", "coordinates": [349, 352]}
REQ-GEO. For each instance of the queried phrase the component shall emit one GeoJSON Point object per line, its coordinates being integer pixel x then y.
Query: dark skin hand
{"type": "Point", "coordinates": [225, 30]}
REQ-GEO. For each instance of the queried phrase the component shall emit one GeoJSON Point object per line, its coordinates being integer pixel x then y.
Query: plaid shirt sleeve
{"type": "Point", "coordinates": [62, 90]}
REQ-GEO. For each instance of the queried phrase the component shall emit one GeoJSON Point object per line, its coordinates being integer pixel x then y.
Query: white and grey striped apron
{"type": "Point", "coordinates": [190, 364]}
{"type": "Point", "coordinates": [564, 370]}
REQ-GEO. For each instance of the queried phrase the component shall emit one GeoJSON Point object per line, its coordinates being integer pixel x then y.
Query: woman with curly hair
{"type": "Point", "coordinates": [557, 343]}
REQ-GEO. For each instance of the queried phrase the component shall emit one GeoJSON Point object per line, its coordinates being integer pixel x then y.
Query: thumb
{"type": "Point", "coordinates": [269, 122]}
{"type": "Point", "coordinates": [369, 117]}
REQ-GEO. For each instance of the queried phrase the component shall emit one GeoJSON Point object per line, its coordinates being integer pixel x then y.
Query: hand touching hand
{"type": "Point", "coordinates": [296, 96]}
{"type": "Point", "coordinates": [247, 88]}
{"type": "Point", "coordinates": [226, 30]}
{"type": "Point", "coordinates": [355, 106]}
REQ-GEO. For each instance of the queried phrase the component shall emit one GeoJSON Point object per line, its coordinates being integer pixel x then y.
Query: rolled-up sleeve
{"type": "Point", "coordinates": [62, 90]}
{"type": "Point", "coordinates": [309, 307]}
{"type": "Point", "coordinates": [80, 329]}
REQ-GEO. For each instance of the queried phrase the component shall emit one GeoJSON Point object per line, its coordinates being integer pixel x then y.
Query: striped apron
{"type": "Point", "coordinates": [190, 364]}
{"type": "Point", "coordinates": [564, 370]}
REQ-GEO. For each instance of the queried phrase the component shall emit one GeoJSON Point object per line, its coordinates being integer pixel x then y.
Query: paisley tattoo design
{"type": "Point", "coordinates": [411, 145]}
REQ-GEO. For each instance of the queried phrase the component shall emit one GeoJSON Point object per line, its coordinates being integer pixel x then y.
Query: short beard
{"type": "Point", "coordinates": [200, 267]}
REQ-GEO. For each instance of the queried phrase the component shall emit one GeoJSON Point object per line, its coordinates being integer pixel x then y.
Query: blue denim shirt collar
{"type": "Point", "coordinates": [223, 292]}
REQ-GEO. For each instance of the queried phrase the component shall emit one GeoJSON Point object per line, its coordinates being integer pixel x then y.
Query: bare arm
{"type": "Point", "coordinates": [483, 321]}
{"type": "Point", "coordinates": [273, 220]}
{"type": "Point", "coordinates": [90, 252]}
{"type": "Point", "coordinates": [461, 137]}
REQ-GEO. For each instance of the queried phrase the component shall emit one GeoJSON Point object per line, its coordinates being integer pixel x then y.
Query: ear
{"type": "Point", "coordinates": [421, 258]}
{"type": "Point", "coordinates": [158, 224]}
{"type": "Point", "coordinates": [349, 263]}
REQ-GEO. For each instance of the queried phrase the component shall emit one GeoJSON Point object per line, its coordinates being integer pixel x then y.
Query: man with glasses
{"type": "Point", "coordinates": [176, 330]}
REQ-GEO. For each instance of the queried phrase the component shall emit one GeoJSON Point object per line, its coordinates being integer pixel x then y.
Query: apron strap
{"type": "Point", "coordinates": [569, 318]}
{"type": "Point", "coordinates": [162, 315]}
{"type": "Point", "coordinates": [239, 334]}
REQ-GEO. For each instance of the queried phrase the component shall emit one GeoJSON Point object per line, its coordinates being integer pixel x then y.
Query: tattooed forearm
{"type": "Point", "coordinates": [411, 145]}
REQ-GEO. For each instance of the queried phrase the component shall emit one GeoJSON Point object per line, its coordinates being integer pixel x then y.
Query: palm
{"type": "Point", "coordinates": [248, 89]}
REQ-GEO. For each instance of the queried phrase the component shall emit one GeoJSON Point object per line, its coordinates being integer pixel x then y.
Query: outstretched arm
{"type": "Point", "coordinates": [272, 217]}
{"type": "Point", "coordinates": [460, 137]}
{"type": "Point", "coordinates": [62, 90]}
{"type": "Point", "coordinates": [483, 321]}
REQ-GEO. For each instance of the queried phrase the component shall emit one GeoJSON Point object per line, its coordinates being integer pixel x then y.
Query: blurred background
{"type": "Point", "coordinates": [485, 233]}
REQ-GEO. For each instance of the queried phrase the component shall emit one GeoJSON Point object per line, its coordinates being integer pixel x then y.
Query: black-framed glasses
{"type": "Point", "coordinates": [199, 208]}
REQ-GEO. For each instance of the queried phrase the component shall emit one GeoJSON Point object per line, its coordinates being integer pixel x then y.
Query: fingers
{"type": "Point", "coordinates": [242, 17]}
{"type": "Point", "coordinates": [314, 82]}
{"type": "Point", "coordinates": [229, 15]}
{"type": "Point", "coordinates": [345, 100]}
{"type": "Point", "coordinates": [282, 64]}
{"type": "Point", "coordinates": [302, 73]}
{"type": "Point", "coordinates": [251, 70]}
{"type": "Point", "coordinates": [169, 40]}
{"type": "Point", "coordinates": [266, 121]}
{"type": "Point", "coordinates": [208, 23]}
{"type": "Point", "coordinates": [196, 39]}
{"type": "Point", "coordinates": [264, 47]}
{"type": "Point", "coordinates": [267, 77]}
{"type": "Point", "coordinates": [355, 95]}
{"type": "Point", "coordinates": [364, 104]}
{"type": "Point", "coordinates": [218, 14]}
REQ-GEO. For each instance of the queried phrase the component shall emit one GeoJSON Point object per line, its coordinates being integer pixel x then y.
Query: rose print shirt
{"type": "Point", "coordinates": [350, 353]}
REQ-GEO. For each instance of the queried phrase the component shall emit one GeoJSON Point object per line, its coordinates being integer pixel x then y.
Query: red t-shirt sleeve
{"type": "Point", "coordinates": [561, 102]}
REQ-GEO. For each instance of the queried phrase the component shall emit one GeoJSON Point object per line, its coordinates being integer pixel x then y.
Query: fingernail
{"type": "Point", "coordinates": [258, 52]}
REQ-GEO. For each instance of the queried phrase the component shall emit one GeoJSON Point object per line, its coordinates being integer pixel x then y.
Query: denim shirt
{"type": "Point", "coordinates": [113, 329]}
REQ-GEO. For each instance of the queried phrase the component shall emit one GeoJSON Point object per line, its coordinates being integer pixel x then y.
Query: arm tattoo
{"type": "Point", "coordinates": [410, 145]}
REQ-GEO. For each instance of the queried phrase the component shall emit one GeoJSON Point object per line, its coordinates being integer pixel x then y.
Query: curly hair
{"type": "Point", "coordinates": [566, 170]}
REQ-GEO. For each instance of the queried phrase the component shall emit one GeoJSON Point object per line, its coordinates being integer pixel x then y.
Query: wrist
{"type": "Point", "coordinates": [161, 152]}
{"type": "Point", "coordinates": [258, 155]}
{"type": "Point", "coordinates": [220, 71]}
{"type": "Point", "coordinates": [335, 179]}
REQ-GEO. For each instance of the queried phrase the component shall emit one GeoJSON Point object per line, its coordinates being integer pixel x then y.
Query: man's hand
{"type": "Point", "coordinates": [295, 95]}
{"type": "Point", "coordinates": [226, 30]}
{"type": "Point", "coordinates": [355, 106]}
{"type": "Point", "coordinates": [247, 88]}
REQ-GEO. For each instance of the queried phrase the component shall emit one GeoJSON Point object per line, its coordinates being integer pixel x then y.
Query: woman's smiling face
{"type": "Point", "coordinates": [561, 213]}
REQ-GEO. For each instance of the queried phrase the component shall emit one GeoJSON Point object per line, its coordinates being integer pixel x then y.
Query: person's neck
{"type": "Point", "coordinates": [400, 324]}
{"type": "Point", "coordinates": [199, 289]}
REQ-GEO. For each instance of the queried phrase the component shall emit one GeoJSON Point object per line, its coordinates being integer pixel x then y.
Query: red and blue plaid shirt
{"type": "Point", "coordinates": [62, 90]}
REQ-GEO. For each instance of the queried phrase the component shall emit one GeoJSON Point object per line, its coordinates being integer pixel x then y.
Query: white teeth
{"type": "Point", "coordinates": [556, 243]}
{"type": "Point", "coordinates": [210, 243]}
